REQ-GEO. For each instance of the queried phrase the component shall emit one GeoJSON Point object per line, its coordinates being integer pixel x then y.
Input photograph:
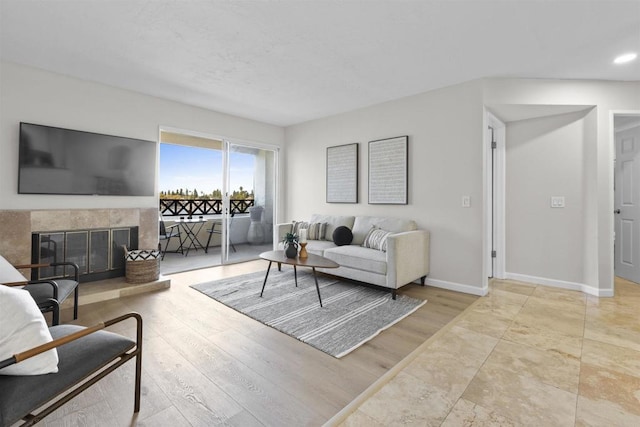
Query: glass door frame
{"type": "Point", "coordinates": [226, 146]}
{"type": "Point", "coordinates": [228, 143]}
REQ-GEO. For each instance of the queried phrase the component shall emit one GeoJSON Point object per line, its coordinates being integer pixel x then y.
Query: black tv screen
{"type": "Point", "coordinates": [64, 161]}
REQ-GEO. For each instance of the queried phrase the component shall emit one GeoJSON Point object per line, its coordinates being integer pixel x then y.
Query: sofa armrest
{"type": "Point", "coordinates": [281, 231]}
{"type": "Point", "coordinates": [407, 257]}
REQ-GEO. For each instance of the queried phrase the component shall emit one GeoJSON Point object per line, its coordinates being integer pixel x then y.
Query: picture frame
{"type": "Point", "coordinates": [342, 173]}
{"type": "Point", "coordinates": [388, 171]}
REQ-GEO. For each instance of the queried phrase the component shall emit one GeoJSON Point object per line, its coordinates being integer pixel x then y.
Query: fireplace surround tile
{"type": "Point", "coordinates": [89, 218]}
{"type": "Point", "coordinates": [124, 217]}
{"type": "Point", "coordinates": [148, 228]}
{"type": "Point", "coordinates": [15, 244]}
{"type": "Point", "coordinates": [16, 226]}
{"type": "Point", "coordinates": [50, 220]}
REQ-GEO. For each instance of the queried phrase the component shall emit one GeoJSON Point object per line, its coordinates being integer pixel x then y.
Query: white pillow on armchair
{"type": "Point", "coordinates": [22, 326]}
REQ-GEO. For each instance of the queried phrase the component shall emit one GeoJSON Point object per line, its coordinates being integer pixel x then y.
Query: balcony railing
{"type": "Point", "coordinates": [191, 207]}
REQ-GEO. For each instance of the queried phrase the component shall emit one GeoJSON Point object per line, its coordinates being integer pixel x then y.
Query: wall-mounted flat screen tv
{"type": "Point", "coordinates": [64, 161]}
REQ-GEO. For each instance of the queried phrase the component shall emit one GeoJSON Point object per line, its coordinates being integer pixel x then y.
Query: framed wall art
{"type": "Point", "coordinates": [342, 174]}
{"type": "Point", "coordinates": [388, 177]}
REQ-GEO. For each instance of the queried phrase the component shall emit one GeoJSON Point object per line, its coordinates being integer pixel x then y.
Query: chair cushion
{"type": "Point", "coordinates": [20, 395]}
{"type": "Point", "coordinates": [22, 327]}
{"type": "Point", "coordinates": [42, 291]}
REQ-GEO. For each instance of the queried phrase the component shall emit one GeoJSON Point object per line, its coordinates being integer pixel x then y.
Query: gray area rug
{"type": "Point", "coordinates": [351, 316]}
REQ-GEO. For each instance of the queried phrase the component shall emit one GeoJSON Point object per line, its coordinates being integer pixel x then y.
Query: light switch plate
{"type": "Point", "coordinates": [466, 201]}
{"type": "Point", "coordinates": [557, 201]}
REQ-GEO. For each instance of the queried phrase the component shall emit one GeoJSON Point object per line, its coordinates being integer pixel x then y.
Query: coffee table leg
{"type": "Point", "coordinates": [295, 275]}
{"type": "Point", "coordinates": [265, 279]}
{"type": "Point", "coordinates": [317, 287]}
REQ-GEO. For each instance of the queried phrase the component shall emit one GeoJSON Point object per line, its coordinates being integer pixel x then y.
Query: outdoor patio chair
{"type": "Point", "coordinates": [168, 233]}
{"type": "Point", "coordinates": [85, 355]}
{"type": "Point", "coordinates": [213, 230]}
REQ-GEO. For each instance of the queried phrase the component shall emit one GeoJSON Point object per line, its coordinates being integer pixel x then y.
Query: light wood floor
{"type": "Point", "coordinates": [205, 364]}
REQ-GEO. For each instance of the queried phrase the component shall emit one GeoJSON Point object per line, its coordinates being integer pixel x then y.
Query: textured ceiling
{"type": "Point", "coordinates": [285, 62]}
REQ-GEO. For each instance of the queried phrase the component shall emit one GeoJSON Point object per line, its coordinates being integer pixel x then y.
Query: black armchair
{"type": "Point", "coordinates": [57, 288]}
{"type": "Point", "coordinates": [48, 293]}
{"type": "Point", "coordinates": [85, 355]}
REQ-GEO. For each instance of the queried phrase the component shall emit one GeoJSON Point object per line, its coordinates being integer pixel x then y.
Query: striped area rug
{"type": "Point", "coordinates": [351, 316]}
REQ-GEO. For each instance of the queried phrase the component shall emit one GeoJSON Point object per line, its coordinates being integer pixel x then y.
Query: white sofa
{"type": "Point", "coordinates": [405, 260]}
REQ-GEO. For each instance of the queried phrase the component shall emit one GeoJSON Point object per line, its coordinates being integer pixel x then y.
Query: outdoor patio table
{"type": "Point", "coordinates": [191, 228]}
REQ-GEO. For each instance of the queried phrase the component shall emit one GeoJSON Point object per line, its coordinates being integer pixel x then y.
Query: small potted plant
{"type": "Point", "coordinates": [290, 242]}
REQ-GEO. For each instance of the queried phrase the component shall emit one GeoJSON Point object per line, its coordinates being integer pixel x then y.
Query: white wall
{"type": "Point", "coordinates": [37, 96]}
{"type": "Point", "coordinates": [445, 162]}
{"type": "Point", "coordinates": [607, 97]}
{"type": "Point", "coordinates": [445, 129]}
{"type": "Point", "coordinates": [547, 157]}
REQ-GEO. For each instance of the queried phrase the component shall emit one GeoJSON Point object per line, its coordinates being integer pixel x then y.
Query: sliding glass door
{"type": "Point", "coordinates": [221, 196]}
{"type": "Point", "coordinates": [250, 192]}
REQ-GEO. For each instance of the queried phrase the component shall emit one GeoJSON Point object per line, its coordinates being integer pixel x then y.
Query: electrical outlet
{"type": "Point", "coordinates": [466, 201]}
{"type": "Point", "coordinates": [557, 201]}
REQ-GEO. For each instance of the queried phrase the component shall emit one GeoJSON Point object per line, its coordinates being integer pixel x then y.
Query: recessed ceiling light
{"type": "Point", "coordinates": [627, 57]}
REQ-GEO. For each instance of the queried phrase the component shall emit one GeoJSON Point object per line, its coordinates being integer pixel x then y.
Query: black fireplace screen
{"type": "Point", "coordinates": [99, 253]}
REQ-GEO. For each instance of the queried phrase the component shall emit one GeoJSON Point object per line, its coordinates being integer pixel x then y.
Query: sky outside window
{"type": "Point", "coordinates": [189, 168]}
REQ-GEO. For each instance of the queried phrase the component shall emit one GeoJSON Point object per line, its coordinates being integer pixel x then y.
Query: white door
{"type": "Point", "coordinates": [627, 201]}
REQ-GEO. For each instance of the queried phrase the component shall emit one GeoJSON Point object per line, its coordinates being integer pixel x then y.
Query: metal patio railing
{"type": "Point", "coordinates": [191, 207]}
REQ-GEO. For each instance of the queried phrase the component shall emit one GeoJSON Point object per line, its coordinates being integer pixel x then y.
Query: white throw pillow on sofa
{"type": "Point", "coordinates": [376, 239]}
{"type": "Point", "coordinates": [22, 326]}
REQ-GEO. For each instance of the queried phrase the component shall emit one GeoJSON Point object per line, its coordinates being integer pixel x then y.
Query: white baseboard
{"type": "Point", "coordinates": [574, 286]}
{"type": "Point", "coordinates": [458, 287]}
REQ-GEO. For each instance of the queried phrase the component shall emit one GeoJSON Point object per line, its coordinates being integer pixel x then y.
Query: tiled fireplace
{"type": "Point", "coordinates": [89, 236]}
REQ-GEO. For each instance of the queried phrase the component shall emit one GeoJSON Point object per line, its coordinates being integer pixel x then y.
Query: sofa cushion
{"type": "Point", "coordinates": [376, 239]}
{"type": "Point", "coordinates": [317, 231]}
{"type": "Point", "coordinates": [358, 258]}
{"type": "Point", "coordinates": [342, 236]}
{"type": "Point", "coordinates": [318, 247]}
{"type": "Point", "coordinates": [333, 221]}
{"type": "Point", "coordinates": [297, 226]}
{"type": "Point", "coordinates": [362, 225]}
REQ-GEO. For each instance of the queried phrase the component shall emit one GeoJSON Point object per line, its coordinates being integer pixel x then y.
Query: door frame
{"type": "Point", "coordinates": [226, 143]}
{"type": "Point", "coordinates": [494, 196]}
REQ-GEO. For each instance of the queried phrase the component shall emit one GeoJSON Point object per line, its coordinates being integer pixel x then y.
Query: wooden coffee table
{"type": "Point", "coordinates": [312, 261]}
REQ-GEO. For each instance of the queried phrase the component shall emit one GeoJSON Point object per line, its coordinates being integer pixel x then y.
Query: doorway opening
{"type": "Point", "coordinates": [626, 129]}
{"type": "Point", "coordinates": [495, 185]}
{"type": "Point", "coordinates": [539, 186]}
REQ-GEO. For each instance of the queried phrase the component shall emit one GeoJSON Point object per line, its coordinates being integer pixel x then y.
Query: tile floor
{"type": "Point", "coordinates": [524, 355]}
